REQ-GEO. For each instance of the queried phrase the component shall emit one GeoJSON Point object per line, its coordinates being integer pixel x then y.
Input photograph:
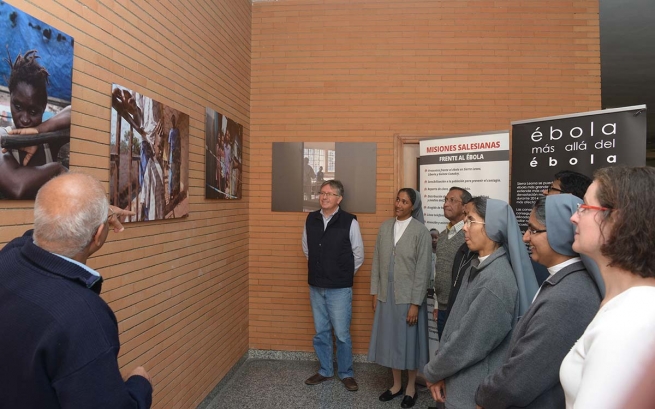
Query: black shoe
{"type": "Point", "coordinates": [409, 401]}
{"type": "Point", "coordinates": [387, 395]}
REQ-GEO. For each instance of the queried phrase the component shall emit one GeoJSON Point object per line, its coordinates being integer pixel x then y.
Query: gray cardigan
{"type": "Point", "coordinates": [476, 337]}
{"type": "Point", "coordinates": [443, 269]}
{"type": "Point", "coordinates": [529, 378]}
{"type": "Point", "coordinates": [412, 263]}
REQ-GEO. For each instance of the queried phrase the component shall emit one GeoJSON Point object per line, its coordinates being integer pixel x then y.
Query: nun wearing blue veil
{"type": "Point", "coordinates": [565, 304]}
{"type": "Point", "coordinates": [496, 291]}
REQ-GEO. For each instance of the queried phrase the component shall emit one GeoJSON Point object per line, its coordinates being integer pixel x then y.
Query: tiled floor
{"type": "Point", "coordinates": [263, 383]}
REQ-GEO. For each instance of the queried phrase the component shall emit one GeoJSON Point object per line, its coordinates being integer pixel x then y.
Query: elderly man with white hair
{"type": "Point", "coordinates": [59, 338]}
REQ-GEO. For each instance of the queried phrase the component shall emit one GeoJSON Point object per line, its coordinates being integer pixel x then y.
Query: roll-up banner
{"type": "Point", "coordinates": [478, 163]}
{"type": "Point", "coordinates": [581, 142]}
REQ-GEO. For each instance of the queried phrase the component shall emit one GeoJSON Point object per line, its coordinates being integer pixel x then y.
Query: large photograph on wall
{"type": "Point", "coordinates": [223, 162]}
{"type": "Point", "coordinates": [318, 165]}
{"type": "Point", "coordinates": [149, 157]}
{"type": "Point", "coordinates": [35, 96]}
{"type": "Point", "coordinates": [299, 169]}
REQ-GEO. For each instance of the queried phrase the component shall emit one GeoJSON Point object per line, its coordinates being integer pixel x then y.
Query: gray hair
{"type": "Point", "coordinates": [334, 184]}
{"type": "Point", "coordinates": [540, 210]}
{"type": "Point", "coordinates": [73, 228]}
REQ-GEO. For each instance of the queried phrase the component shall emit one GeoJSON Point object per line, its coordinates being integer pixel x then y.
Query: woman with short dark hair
{"type": "Point", "coordinates": [616, 228]}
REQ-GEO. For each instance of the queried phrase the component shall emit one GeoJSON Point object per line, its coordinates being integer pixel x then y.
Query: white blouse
{"type": "Point", "coordinates": [605, 364]}
{"type": "Point", "coordinates": [399, 228]}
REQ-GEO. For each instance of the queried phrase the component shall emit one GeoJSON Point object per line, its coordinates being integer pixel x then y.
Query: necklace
{"type": "Point", "coordinates": [462, 262]}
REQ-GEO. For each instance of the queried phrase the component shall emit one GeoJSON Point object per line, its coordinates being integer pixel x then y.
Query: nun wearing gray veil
{"type": "Point", "coordinates": [495, 291]}
{"type": "Point", "coordinates": [417, 208]}
{"type": "Point", "coordinates": [565, 304]}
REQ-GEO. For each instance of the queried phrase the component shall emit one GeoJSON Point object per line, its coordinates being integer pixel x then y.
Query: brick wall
{"type": "Point", "coordinates": [366, 70]}
{"type": "Point", "coordinates": [321, 71]}
{"type": "Point", "coordinates": [179, 288]}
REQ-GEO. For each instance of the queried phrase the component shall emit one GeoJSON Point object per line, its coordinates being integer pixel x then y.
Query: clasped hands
{"type": "Point", "coordinates": [438, 390]}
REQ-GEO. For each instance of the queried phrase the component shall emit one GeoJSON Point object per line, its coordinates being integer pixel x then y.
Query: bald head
{"type": "Point", "coordinates": [67, 213]}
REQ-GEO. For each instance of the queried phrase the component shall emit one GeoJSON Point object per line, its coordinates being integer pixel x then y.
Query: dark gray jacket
{"type": "Point", "coordinates": [529, 378]}
{"type": "Point", "coordinates": [478, 330]}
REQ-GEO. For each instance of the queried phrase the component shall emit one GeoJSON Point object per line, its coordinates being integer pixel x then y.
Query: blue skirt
{"type": "Point", "coordinates": [394, 343]}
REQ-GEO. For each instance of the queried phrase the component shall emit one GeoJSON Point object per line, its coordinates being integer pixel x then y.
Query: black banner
{"type": "Point", "coordinates": [580, 142]}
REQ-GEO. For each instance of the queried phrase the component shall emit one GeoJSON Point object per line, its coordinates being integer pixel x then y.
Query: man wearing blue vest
{"type": "Point", "coordinates": [334, 249]}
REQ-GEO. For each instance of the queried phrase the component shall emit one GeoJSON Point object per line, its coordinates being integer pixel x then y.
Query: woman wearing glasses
{"type": "Point", "coordinates": [402, 265]}
{"type": "Point", "coordinates": [496, 290]}
{"type": "Point", "coordinates": [616, 228]}
{"type": "Point", "coordinates": [565, 304]}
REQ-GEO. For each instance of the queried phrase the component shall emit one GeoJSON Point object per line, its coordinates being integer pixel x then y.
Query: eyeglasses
{"type": "Point", "coordinates": [551, 187]}
{"type": "Point", "coordinates": [327, 194]}
{"type": "Point", "coordinates": [584, 207]}
{"type": "Point", "coordinates": [467, 222]}
{"type": "Point", "coordinates": [451, 200]}
{"type": "Point", "coordinates": [535, 231]}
